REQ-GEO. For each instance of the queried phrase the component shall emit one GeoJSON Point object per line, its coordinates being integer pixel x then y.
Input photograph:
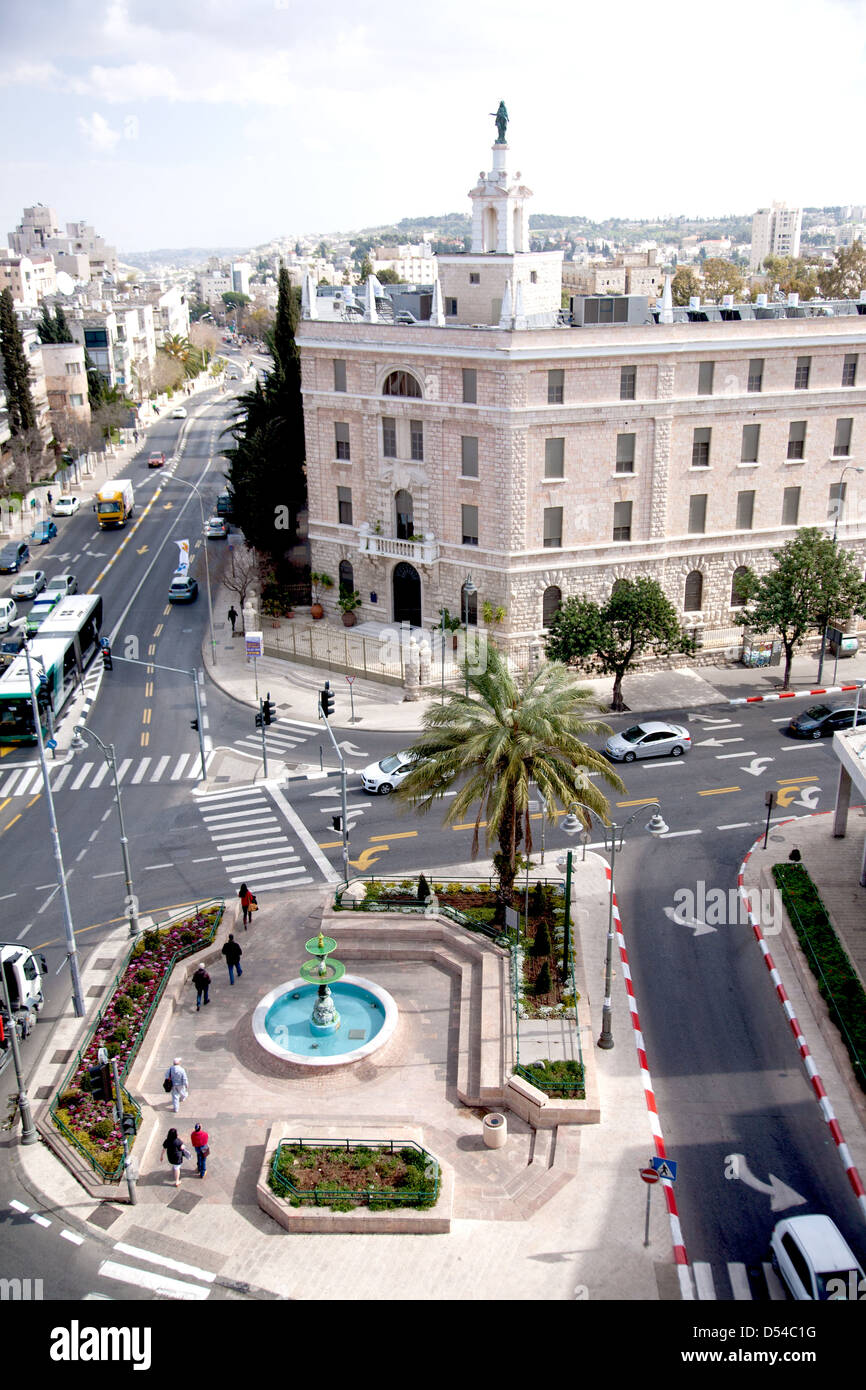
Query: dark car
{"type": "Point", "coordinates": [821, 721]}
{"type": "Point", "coordinates": [183, 589]}
{"type": "Point", "coordinates": [43, 532]}
{"type": "Point", "coordinates": [13, 555]}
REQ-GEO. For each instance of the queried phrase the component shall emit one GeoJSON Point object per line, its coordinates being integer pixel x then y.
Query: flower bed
{"type": "Point", "coordinates": [88, 1121]}
{"type": "Point", "coordinates": [340, 1175]}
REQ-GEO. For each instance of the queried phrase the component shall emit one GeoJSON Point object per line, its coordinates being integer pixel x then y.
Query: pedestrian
{"type": "Point", "coordinates": [201, 980]}
{"type": "Point", "coordinates": [175, 1153]}
{"type": "Point", "coordinates": [178, 1084]}
{"type": "Point", "coordinates": [248, 903]}
{"type": "Point", "coordinates": [198, 1139]}
{"type": "Point", "coordinates": [233, 617]}
{"type": "Point", "coordinates": [50, 499]}
{"type": "Point", "coordinates": [232, 953]}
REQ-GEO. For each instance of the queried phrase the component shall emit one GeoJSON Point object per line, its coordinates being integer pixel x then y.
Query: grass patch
{"type": "Point", "coordinates": [561, 1080]}
{"type": "Point", "coordinates": [342, 1178]}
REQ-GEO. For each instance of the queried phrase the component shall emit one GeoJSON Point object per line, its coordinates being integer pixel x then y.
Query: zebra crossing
{"type": "Point", "coordinates": [251, 840]}
{"type": "Point", "coordinates": [737, 1283]}
{"type": "Point", "coordinates": [282, 737]}
{"type": "Point", "coordinates": [26, 779]}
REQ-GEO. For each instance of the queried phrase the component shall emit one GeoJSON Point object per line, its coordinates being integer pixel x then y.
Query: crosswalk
{"type": "Point", "coordinates": [25, 779]}
{"type": "Point", "coordinates": [737, 1283]}
{"type": "Point", "coordinates": [282, 737]}
{"type": "Point", "coordinates": [250, 837]}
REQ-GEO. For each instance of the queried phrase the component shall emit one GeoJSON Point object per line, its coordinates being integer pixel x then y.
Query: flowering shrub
{"type": "Point", "coordinates": [89, 1118]}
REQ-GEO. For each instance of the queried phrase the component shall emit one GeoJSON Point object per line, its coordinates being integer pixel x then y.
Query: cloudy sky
{"type": "Point", "coordinates": [203, 122]}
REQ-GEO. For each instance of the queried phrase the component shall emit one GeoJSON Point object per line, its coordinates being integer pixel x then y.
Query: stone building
{"type": "Point", "coordinates": [548, 460]}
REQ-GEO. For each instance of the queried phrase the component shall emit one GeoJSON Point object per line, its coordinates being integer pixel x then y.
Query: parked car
{"type": "Point", "coordinates": [8, 613]}
{"type": "Point", "coordinates": [215, 528]}
{"type": "Point", "coordinates": [179, 413]}
{"type": "Point", "coordinates": [384, 776]}
{"type": "Point", "coordinates": [649, 739]}
{"type": "Point", "coordinates": [62, 583]}
{"type": "Point", "coordinates": [66, 506]}
{"type": "Point", "coordinates": [183, 589]}
{"type": "Point", "coordinates": [815, 1261]}
{"type": "Point", "coordinates": [156, 459]}
{"type": "Point", "coordinates": [13, 555]}
{"type": "Point", "coordinates": [43, 532]}
{"type": "Point", "coordinates": [29, 584]}
{"type": "Point", "coordinates": [821, 721]}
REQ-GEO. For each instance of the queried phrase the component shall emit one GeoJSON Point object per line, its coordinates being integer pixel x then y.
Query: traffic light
{"type": "Point", "coordinates": [193, 724]}
{"type": "Point", "coordinates": [128, 1124]}
{"type": "Point", "coordinates": [337, 822]}
{"type": "Point", "coordinates": [100, 1082]}
{"type": "Point", "coordinates": [269, 709]}
{"type": "Point", "coordinates": [260, 719]}
{"type": "Point", "coordinates": [43, 694]}
{"type": "Point", "coordinates": [106, 657]}
{"type": "Point", "coordinates": [326, 700]}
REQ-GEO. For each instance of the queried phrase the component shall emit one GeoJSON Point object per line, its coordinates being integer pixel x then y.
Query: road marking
{"type": "Point", "coordinates": [70, 1235]}
{"type": "Point", "coordinates": [250, 855]}
{"type": "Point", "coordinates": [141, 770]}
{"type": "Point", "coordinates": [23, 932]}
{"type": "Point", "coordinates": [247, 841]}
{"type": "Point", "coordinates": [18, 1206]}
{"type": "Point", "coordinates": [787, 781]}
{"type": "Point", "coordinates": [274, 876]}
{"type": "Point", "coordinates": [57, 782]}
{"type": "Point", "coordinates": [642, 801]}
{"type": "Point", "coordinates": [330, 844]}
{"type": "Point", "coordinates": [775, 1287]}
{"type": "Point", "coordinates": [211, 859]}
{"type": "Point", "coordinates": [115, 873]}
{"type": "Point", "coordinates": [12, 822]}
{"type": "Point", "coordinates": [735, 825]}
{"type": "Point", "coordinates": [101, 774]}
{"type": "Point", "coordinates": [82, 776]}
{"type": "Point", "coordinates": [397, 835]}
{"type": "Point", "coordinates": [740, 1283]}
{"type": "Point", "coordinates": [158, 1283]}
{"type": "Point", "coordinates": [123, 769]}
{"type": "Point", "coordinates": [674, 834]}
{"type": "Point", "coordinates": [179, 766]}
{"type": "Point", "coordinates": [177, 1265]}
{"type": "Point", "coordinates": [719, 791]}
{"type": "Point", "coordinates": [329, 874]}
{"type": "Point", "coordinates": [40, 1220]}
{"type": "Point", "coordinates": [368, 856]}
{"type": "Point", "coordinates": [151, 866]}
{"type": "Point", "coordinates": [750, 754]}
{"type": "Point", "coordinates": [704, 1281]}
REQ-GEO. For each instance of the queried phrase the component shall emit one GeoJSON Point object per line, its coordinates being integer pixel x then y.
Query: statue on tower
{"type": "Point", "coordinates": [500, 116]}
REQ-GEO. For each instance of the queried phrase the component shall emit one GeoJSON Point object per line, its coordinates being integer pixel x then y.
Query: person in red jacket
{"type": "Point", "coordinates": [247, 899]}
{"type": "Point", "coordinates": [198, 1139]}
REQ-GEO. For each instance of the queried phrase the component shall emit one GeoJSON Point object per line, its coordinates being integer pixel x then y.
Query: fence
{"type": "Point", "coordinates": [402, 1196]}
{"type": "Point", "coordinates": [116, 1172]}
{"type": "Point", "coordinates": [384, 657]}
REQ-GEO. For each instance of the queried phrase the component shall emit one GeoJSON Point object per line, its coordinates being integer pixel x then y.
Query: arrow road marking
{"type": "Point", "coordinates": [757, 765]}
{"type": "Point", "coordinates": [743, 753]}
{"type": "Point", "coordinates": [350, 748]}
{"type": "Point", "coordinates": [367, 857]}
{"type": "Point", "coordinates": [709, 719]}
{"type": "Point", "coordinates": [716, 742]}
{"type": "Point", "coordinates": [781, 1196]}
{"type": "Point", "coordinates": [682, 920]}
{"type": "Point", "coordinates": [808, 797]}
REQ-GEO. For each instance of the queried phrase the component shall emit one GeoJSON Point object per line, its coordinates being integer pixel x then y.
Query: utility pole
{"type": "Point", "coordinates": [121, 1123]}
{"type": "Point", "coordinates": [28, 1129]}
{"type": "Point", "coordinates": [326, 708]}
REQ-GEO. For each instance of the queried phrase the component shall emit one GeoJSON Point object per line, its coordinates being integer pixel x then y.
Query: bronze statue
{"type": "Point", "coordinates": [501, 118]}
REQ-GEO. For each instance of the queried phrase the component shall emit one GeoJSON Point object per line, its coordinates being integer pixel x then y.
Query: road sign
{"type": "Point", "coordinates": [51, 743]}
{"type": "Point", "coordinates": [350, 679]}
{"type": "Point", "coordinates": [665, 1167]}
{"type": "Point", "coordinates": [254, 644]}
{"type": "Point", "coordinates": [649, 1175]}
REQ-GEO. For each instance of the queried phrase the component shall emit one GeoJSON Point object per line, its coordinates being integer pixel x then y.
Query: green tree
{"type": "Point", "coordinates": [636, 618]}
{"type": "Point", "coordinates": [233, 299]}
{"type": "Point", "coordinates": [95, 384]}
{"type": "Point", "coordinates": [16, 371]}
{"type": "Point", "coordinates": [811, 582]}
{"type": "Point", "coordinates": [62, 329]}
{"type": "Point", "coordinates": [491, 747]}
{"type": "Point", "coordinates": [792, 274]}
{"type": "Point", "coordinates": [721, 278]}
{"type": "Point", "coordinates": [684, 284]}
{"type": "Point", "coordinates": [846, 277]}
{"type": "Point", "coordinates": [388, 277]}
{"type": "Point", "coordinates": [46, 327]}
{"type": "Point", "coordinates": [366, 269]}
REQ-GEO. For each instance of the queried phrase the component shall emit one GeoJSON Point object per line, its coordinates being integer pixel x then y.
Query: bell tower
{"type": "Point", "coordinates": [499, 219]}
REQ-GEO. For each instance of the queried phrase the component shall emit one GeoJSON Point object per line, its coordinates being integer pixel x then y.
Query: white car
{"type": "Point", "coordinates": [63, 584]}
{"type": "Point", "coordinates": [815, 1260]}
{"type": "Point", "coordinates": [66, 506]}
{"type": "Point", "coordinates": [179, 413]}
{"type": "Point", "coordinates": [215, 528]}
{"type": "Point", "coordinates": [649, 739]}
{"type": "Point", "coordinates": [28, 584]}
{"type": "Point", "coordinates": [383, 777]}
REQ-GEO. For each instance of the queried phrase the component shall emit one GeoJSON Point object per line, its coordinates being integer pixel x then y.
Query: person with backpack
{"type": "Point", "coordinates": [201, 980]}
{"type": "Point", "coordinates": [199, 1141]}
{"type": "Point", "coordinates": [248, 903]}
{"type": "Point", "coordinates": [175, 1153]}
{"type": "Point", "coordinates": [233, 953]}
{"type": "Point", "coordinates": [177, 1082]}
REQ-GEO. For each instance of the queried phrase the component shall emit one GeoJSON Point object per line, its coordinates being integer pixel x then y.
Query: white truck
{"type": "Point", "coordinates": [115, 504]}
{"type": "Point", "coordinates": [22, 972]}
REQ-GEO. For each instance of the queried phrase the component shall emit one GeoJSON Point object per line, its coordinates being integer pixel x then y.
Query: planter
{"type": "Point", "coordinates": [317, 611]}
{"type": "Point", "coordinates": [348, 620]}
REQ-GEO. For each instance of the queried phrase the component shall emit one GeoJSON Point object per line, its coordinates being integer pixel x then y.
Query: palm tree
{"type": "Point", "coordinates": [499, 743]}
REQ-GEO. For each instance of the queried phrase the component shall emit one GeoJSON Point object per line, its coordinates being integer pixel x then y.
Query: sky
{"type": "Point", "coordinates": [173, 123]}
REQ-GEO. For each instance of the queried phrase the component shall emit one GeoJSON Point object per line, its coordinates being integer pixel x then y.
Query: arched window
{"type": "Point", "coordinates": [617, 584]}
{"type": "Point", "coordinates": [550, 605]}
{"type": "Point", "coordinates": [347, 577]}
{"type": "Point", "coordinates": [469, 606]}
{"type": "Point", "coordinates": [737, 600]}
{"type": "Point", "coordinates": [401, 384]}
{"type": "Point", "coordinates": [405, 514]}
{"type": "Point", "coordinates": [694, 592]}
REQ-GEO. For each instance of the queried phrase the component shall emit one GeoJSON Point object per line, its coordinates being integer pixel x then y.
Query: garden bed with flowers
{"type": "Point", "coordinates": [87, 1121]}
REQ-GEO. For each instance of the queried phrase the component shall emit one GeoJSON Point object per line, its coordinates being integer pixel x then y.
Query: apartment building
{"type": "Point", "coordinates": [775, 232]}
{"type": "Point", "coordinates": [66, 379]}
{"type": "Point", "coordinates": [29, 278]}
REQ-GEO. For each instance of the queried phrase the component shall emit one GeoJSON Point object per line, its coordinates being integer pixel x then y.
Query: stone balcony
{"type": "Point", "coordinates": [423, 552]}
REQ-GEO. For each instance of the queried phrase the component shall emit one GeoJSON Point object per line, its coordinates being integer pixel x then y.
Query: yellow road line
{"type": "Point", "coordinates": [33, 800]}
{"type": "Point", "coordinates": [158, 629]}
{"type": "Point", "coordinates": [642, 801]}
{"type": "Point", "coordinates": [4, 804]}
{"type": "Point", "coordinates": [794, 781]}
{"type": "Point", "coordinates": [720, 791]}
{"type": "Point", "coordinates": [145, 740]}
{"type": "Point", "coordinates": [398, 835]}
{"type": "Point", "coordinates": [145, 715]}
{"type": "Point", "coordinates": [148, 690]}
{"type": "Point", "coordinates": [469, 826]}
{"type": "Point", "coordinates": [11, 823]}
{"type": "Point", "coordinates": [331, 844]}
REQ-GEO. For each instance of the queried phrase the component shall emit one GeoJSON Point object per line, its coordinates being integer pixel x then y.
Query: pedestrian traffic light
{"type": "Point", "coordinates": [128, 1124]}
{"type": "Point", "coordinates": [193, 724]}
{"type": "Point", "coordinates": [269, 709]}
{"type": "Point", "coordinates": [326, 700]}
{"type": "Point", "coordinates": [106, 657]}
{"type": "Point", "coordinates": [337, 822]}
{"type": "Point", "coordinates": [260, 719]}
{"type": "Point", "coordinates": [43, 694]}
{"type": "Point", "coordinates": [100, 1082]}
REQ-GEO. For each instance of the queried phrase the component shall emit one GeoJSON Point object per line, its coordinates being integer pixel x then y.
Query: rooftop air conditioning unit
{"type": "Point", "coordinates": [761, 301]}
{"type": "Point", "coordinates": [794, 299]}
{"type": "Point", "coordinates": [695, 301]}
{"type": "Point", "coordinates": [727, 301]}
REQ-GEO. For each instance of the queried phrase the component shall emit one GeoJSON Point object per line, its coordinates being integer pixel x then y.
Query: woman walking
{"type": "Point", "coordinates": [198, 1139]}
{"type": "Point", "coordinates": [175, 1153]}
{"type": "Point", "coordinates": [248, 902]}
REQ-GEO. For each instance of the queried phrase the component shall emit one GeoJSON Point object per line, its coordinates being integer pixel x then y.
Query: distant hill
{"type": "Point", "coordinates": [179, 256]}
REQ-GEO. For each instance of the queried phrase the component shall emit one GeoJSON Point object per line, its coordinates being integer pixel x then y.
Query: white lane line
{"type": "Point", "coordinates": [781, 719]}
{"type": "Point", "coordinates": [140, 771]}
{"type": "Point", "coordinates": [704, 1281]}
{"type": "Point", "coordinates": [675, 834]}
{"type": "Point", "coordinates": [4, 896]}
{"type": "Point", "coordinates": [735, 825]}
{"type": "Point", "coordinates": [740, 1283]}
{"type": "Point", "coordinates": [115, 873]}
{"type": "Point", "coordinates": [177, 1265]}
{"type": "Point", "coordinates": [101, 773]}
{"type": "Point", "coordinates": [18, 1206]}
{"type": "Point", "coordinates": [71, 1236]}
{"type": "Point", "coordinates": [179, 766]}
{"type": "Point", "coordinates": [655, 764]}
{"type": "Point", "coordinates": [751, 754]}
{"type": "Point", "coordinates": [160, 767]}
{"type": "Point", "coordinates": [329, 874]}
{"type": "Point", "coordinates": [40, 1220]}
{"type": "Point", "coordinates": [211, 859]}
{"type": "Point", "coordinates": [799, 747]}
{"type": "Point", "coordinates": [23, 932]}
{"type": "Point", "coordinates": [157, 866]}
{"type": "Point", "coordinates": [159, 1283]}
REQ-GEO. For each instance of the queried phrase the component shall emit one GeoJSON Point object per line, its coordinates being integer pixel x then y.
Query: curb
{"type": "Point", "coordinates": [792, 694]}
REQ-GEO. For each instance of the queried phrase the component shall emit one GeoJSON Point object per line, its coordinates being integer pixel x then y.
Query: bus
{"type": "Point", "coordinates": [57, 661]}
{"type": "Point", "coordinates": [78, 616]}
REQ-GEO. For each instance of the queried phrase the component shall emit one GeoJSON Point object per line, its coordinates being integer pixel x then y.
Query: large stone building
{"type": "Point", "coordinates": [548, 460]}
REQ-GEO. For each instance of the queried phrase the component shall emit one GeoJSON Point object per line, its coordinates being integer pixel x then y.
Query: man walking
{"type": "Point", "coordinates": [233, 953]}
{"type": "Point", "coordinates": [233, 617]}
{"type": "Point", "coordinates": [179, 1084]}
{"type": "Point", "coordinates": [199, 1141]}
{"type": "Point", "coordinates": [201, 980]}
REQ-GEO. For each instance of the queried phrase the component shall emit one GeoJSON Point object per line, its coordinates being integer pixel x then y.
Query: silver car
{"type": "Point", "coordinates": [649, 739]}
{"type": "Point", "coordinates": [815, 1260]}
{"type": "Point", "coordinates": [28, 584]}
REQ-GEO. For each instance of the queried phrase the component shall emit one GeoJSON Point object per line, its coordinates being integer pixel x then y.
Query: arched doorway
{"type": "Point", "coordinates": [407, 594]}
{"type": "Point", "coordinates": [347, 577]}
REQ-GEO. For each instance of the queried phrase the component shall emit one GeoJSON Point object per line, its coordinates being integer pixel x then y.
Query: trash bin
{"type": "Point", "coordinates": [495, 1130]}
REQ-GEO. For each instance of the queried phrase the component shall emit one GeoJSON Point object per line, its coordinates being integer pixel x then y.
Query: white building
{"type": "Point", "coordinates": [775, 232]}
{"type": "Point", "coordinates": [241, 272]}
{"type": "Point", "coordinates": [29, 278]}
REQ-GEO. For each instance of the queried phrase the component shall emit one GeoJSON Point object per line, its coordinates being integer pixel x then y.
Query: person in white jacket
{"type": "Point", "coordinates": [179, 1084]}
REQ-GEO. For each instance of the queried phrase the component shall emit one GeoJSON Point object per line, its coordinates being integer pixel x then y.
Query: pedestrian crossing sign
{"type": "Point", "coordinates": [665, 1167]}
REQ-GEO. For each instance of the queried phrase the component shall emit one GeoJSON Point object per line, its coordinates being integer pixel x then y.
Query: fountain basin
{"type": "Point", "coordinates": [281, 1022]}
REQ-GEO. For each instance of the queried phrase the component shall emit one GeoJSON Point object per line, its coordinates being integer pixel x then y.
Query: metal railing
{"type": "Point", "coordinates": [421, 909]}
{"type": "Point", "coordinates": [326, 1196]}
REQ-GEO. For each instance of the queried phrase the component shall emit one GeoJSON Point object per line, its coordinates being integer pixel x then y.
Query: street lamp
{"type": "Point", "coordinates": [849, 468]}
{"type": "Point", "coordinates": [206, 565]}
{"type": "Point", "coordinates": [613, 839]}
{"type": "Point", "coordinates": [468, 590]}
{"type": "Point", "coordinates": [108, 753]}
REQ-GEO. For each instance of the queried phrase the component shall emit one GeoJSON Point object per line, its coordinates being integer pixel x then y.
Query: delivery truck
{"type": "Point", "coordinates": [115, 504]}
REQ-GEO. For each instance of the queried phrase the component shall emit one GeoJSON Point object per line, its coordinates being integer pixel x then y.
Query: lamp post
{"type": "Point", "coordinates": [468, 590]}
{"type": "Point", "coordinates": [28, 1130]}
{"type": "Point", "coordinates": [108, 753]}
{"type": "Point", "coordinates": [849, 468]}
{"type": "Point", "coordinates": [193, 487]}
{"type": "Point", "coordinates": [613, 839]}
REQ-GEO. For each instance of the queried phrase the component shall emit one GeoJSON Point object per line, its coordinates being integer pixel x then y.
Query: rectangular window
{"type": "Point", "coordinates": [389, 436]}
{"type": "Point", "coordinates": [749, 446]}
{"type": "Point", "coordinates": [796, 439]}
{"type": "Point", "coordinates": [554, 458]}
{"type": "Point", "coordinates": [622, 521]}
{"type": "Point", "coordinates": [836, 502]}
{"type": "Point", "coordinates": [625, 453]}
{"type": "Point", "coordinates": [470, 525]}
{"type": "Point", "coordinates": [745, 510]}
{"type": "Point", "coordinates": [553, 528]}
{"type": "Point", "coordinates": [697, 514]}
{"type": "Point", "coordinates": [849, 369]}
{"type": "Point", "coordinates": [474, 277]}
{"type": "Point", "coordinates": [451, 308]}
{"type": "Point", "coordinates": [756, 374]}
{"type": "Point", "coordinates": [344, 506]}
{"type": "Point", "coordinates": [555, 387]}
{"type": "Point", "coordinates": [76, 400]}
{"type": "Point", "coordinates": [842, 442]}
{"type": "Point", "coordinates": [470, 386]}
{"type": "Point", "coordinates": [701, 448]}
{"type": "Point", "coordinates": [469, 456]}
{"type": "Point", "coordinates": [339, 374]}
{"type": "Point", "coordinates": [416, 434]}
{"type": "Point", "coordinates": [705, 378]}
{"type": "Point", "coordinates": [73, 368]}
{"type": "Point", "coordinates": [801, 375]}
{"type": "Point", "coordinates": [342, 433]}
{"type": "Point", "coordinates": [790, 506]}
{"type": "Point", "coordinates": [627, 383]}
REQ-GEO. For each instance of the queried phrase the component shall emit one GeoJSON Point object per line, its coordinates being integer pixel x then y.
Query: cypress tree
{"type": "Point", "coordinates": [62, 331]}
{"type": "Point", "coordinates": [95, 386]}
{"type": "Point", "coordinates": [541, 940]}
{"type": "Point", "coordinates": [46, 327]}
{"type": "Point", "coordinates": [543, 983]}
{"type": "Point", "coordinates": [22, 414]}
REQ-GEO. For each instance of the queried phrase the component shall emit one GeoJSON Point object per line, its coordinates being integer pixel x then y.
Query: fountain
{"type": "Point", "coordinates": [325, 1036]}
